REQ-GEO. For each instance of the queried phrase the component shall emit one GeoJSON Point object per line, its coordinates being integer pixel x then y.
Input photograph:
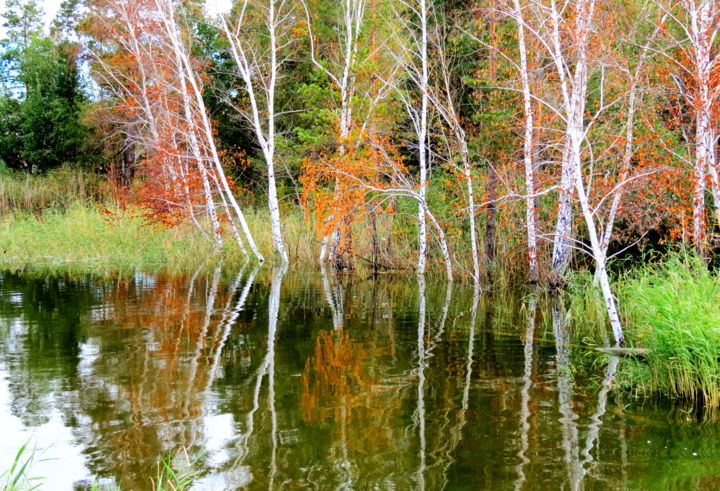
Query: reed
{"type": "Point", "coordinates": [58, 189]}
{"type": "Point", "coordinates": [56, 220]}
{"type": "Point", "coordinates": [671, 309]}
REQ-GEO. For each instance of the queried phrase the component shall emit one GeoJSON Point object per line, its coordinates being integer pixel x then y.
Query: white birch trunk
{"type": "Point", "coordinates": [206, 125]}
{"type": "Point", "coordinates": [563, 226]}
{"type": "Point", "coordinates": [600, 261]}
{"type": "Point", "coordinates": [533, 268]}
{"type": "Point", "coordinates": [467, 172]}
{"type": "Point", "coordinates": [197, 155]}
{"type": "Point", "coordinates": [265, 134]}
{"type": "Point", "coordinates": [624, 170]}
{"type": "Point", "coordinates": [269, 151]}
{"type": "Point", "coordinates": [703, 147]}
{"type": "Point", "coordinates": [702, 32]}
{"type": "Point", "coordinates": [422, 139]}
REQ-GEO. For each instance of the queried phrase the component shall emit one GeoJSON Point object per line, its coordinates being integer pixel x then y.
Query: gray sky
{"type": "Point", "coordinates": [51, 7]}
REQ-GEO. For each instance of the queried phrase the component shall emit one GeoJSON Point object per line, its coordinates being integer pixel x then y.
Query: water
{"type": "Point", "coordinates": [283, 380]}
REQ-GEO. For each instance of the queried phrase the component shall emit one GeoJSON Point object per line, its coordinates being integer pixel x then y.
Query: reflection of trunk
{"type": "Point", "coordinates": [594, 430]}
{"type": "Point", "coordinates": [450, 439]}
{"type": "Point", "coordinates": [565, 386]}
{"type": "Point", "coordinates": [229, 318]}
{"type": "Point", "coordinates": [525, 392]}
{"type": "Point", "coordinates": [267, 367]}
{"type": "Point", "coordinates": [443, 318]}
{"type": "Point", "coordinates": [335, 297]}
{"type": "Point", "coordinates": [419, 416]}
{"type": "Point", "coordinates": [273, 308]}
{"type": "Point", "coordinates": [200, 343]}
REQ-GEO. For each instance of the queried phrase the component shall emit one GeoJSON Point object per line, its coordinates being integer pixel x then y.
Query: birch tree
{"type": "Point", "coordinates": [342, 73]}
{"type": "Point", "coordinates": [533, 271]}
{"type": "Point", "coordinates": [443, 99]}
{"type": "Point", "coordinates": [191, 90]}
{"type": "Point", "coordinates": [155, 81]}
{"type": "Point", "coordinates": [693, 32]}
{"type": "Point", "coordinates": [570, 56]}
{"type": "Point", "coordinates": [258, 60]}
{"type": "Point", "coordinates": [414, 59]}
{"type": "Point", "coordinates": [358, 72]}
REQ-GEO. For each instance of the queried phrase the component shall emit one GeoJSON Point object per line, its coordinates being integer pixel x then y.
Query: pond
{"type": "Point", "coordinates": [288, 380]}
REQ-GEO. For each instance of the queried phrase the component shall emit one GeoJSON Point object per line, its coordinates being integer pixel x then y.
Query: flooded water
{"type": "Point", "coordinates": [275, 380]}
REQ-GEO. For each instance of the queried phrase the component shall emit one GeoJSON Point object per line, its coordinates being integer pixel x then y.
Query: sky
{"type": "Point", "coordinates": [51, 7]}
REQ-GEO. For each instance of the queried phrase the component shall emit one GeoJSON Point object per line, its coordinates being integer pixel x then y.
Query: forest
{"type": "Point", "coordinates": [567, 149]}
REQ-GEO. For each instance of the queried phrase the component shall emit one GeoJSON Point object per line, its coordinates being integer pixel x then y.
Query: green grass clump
{"type": "Point", "coordinates": [88, 237]}
{"type": "Point", "coordinates": [673, 309]}
{"type": "Point", "coordinates": [175, 474]}
{"type": "Point", "coordinates": [17, 476]}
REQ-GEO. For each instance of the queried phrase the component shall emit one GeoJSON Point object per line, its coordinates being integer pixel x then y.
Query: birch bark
{"type": "Point", "coordinates": [533, 268]}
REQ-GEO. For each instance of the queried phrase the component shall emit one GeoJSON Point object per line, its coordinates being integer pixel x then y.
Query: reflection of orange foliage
{"type": "Point", "coordinates": [171, 341]}
{"type": "Point", "coordinates": [338, 387]}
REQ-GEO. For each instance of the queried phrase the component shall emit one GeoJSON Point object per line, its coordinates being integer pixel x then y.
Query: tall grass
{"type": "Point", "coordinates": [82, 237]}
{"type": "Point", "coordinates": [674, 310]}
{"type": "Point", "coordinates": [58, 189]}
{"type": "Point", "coordinates": [671, 308]}
{"type": "Point", "coordinates": [52, 221]}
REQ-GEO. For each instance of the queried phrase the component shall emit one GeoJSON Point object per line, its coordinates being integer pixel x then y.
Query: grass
{"type": "Point", "coordinates": [58, 189]}
{"type": "Point", "coordinates": [82, 237]}
{"type": "Point", "coordinates": [671, 309]}
{"type": "Point", "coordinates": [53, 221]}
{"type": "Point", "coordinates": [172, 474]}
{"type": "Point", "coordinates": [17, 477]}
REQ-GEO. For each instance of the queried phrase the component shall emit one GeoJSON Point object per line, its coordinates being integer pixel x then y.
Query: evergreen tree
{"type": "Point", "coordinates": [41, 105]}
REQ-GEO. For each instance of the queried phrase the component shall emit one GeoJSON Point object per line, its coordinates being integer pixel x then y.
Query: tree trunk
{"type": "Point", "coordinates": [533, 269]}
{"type": "Point", "coordinates": [422, 139]}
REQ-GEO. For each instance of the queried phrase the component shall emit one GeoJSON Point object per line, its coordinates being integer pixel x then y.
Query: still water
{"type": "Point", "coordinates": [287, 380]}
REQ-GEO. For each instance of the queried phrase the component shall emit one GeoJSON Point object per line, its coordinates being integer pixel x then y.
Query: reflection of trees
{"type": "Point", "coordinates": [337, 383]}
{"type": "Point", "coordinates": [343, 391]}
{"type": "Point", "coordinates": [525, 391]}
{"type": "Point", "coordinates": [42, 331]}
{"type": "Point", "coordinates": [579, 462]}
{"type": "Point", "coordinates": [146, 392]}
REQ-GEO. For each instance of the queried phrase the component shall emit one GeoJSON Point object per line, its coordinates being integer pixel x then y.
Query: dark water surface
{"type": "Point", "coordinates": [293, 381]}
